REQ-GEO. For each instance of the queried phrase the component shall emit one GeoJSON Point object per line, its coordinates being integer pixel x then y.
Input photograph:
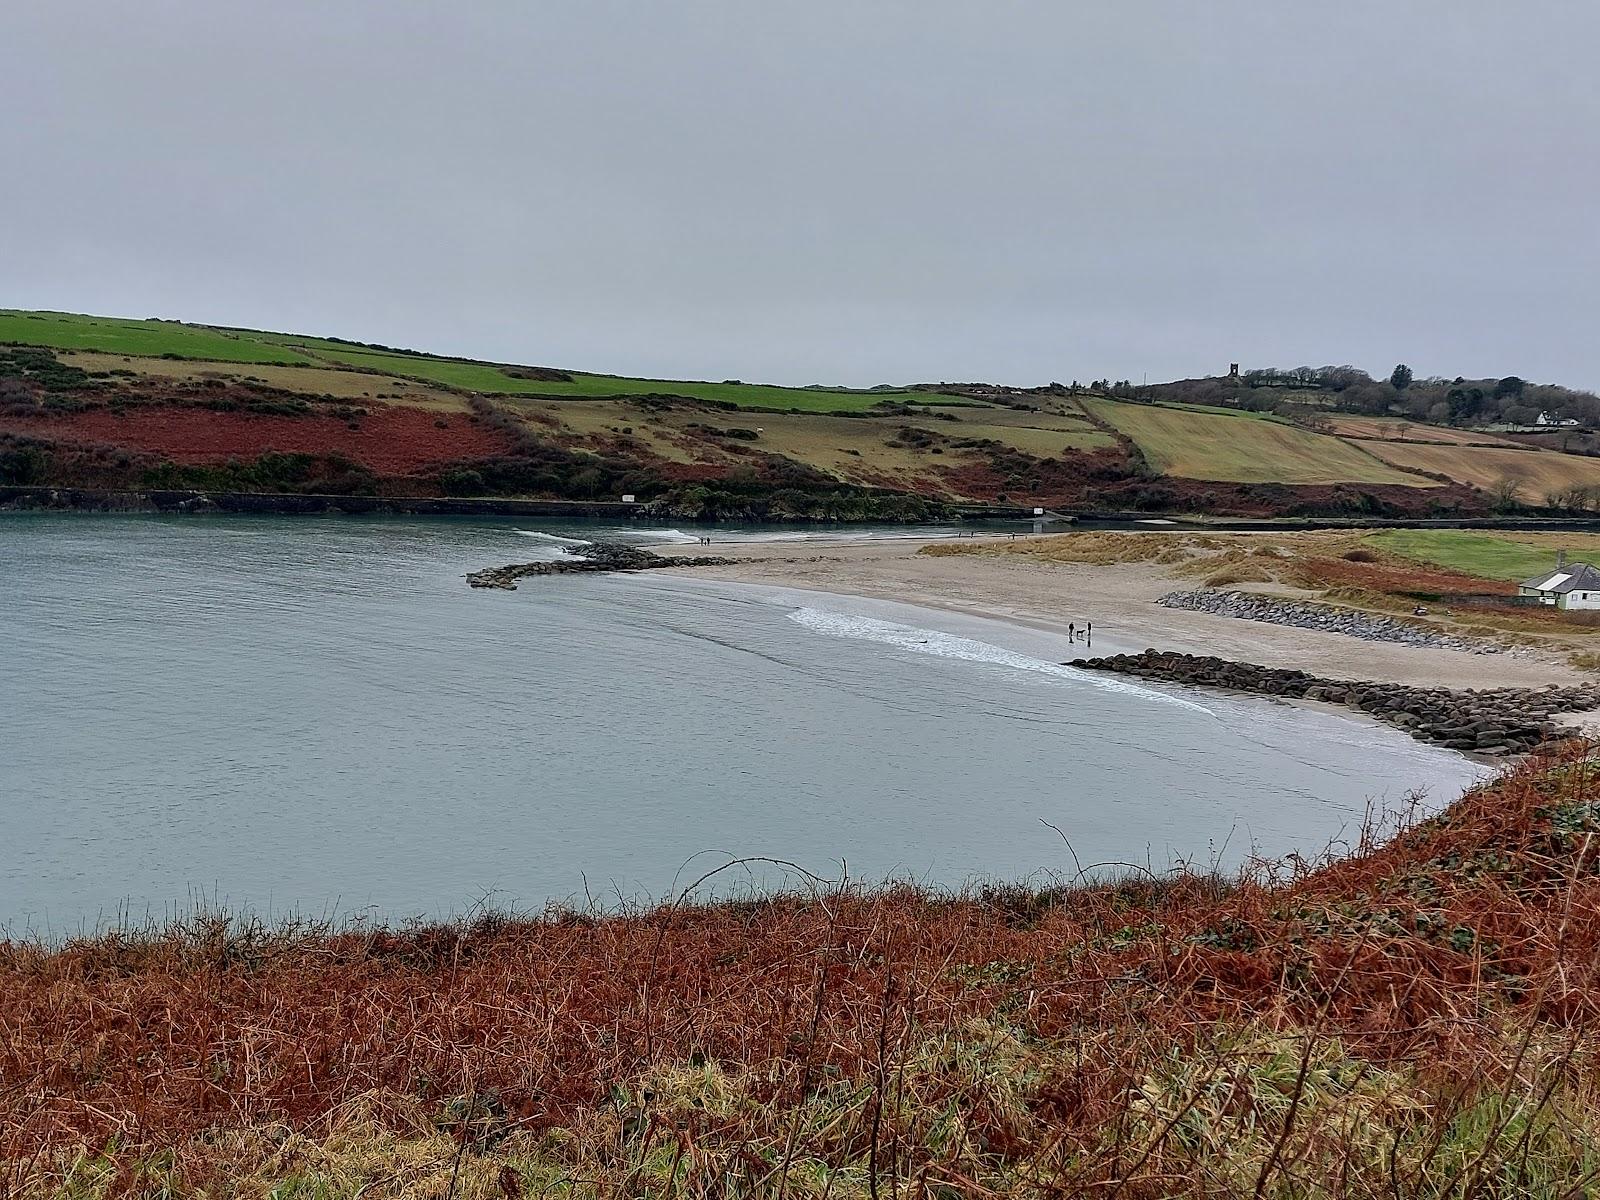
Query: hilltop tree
{"type": "Point", "coordinates": [1465, 402]}
{"type": "Point", "coordinates": [1339, 378]}
{"type": "Point", "coordinates": [1400, 377]}
{"type": "Point", "coordinates": [1509, 386]}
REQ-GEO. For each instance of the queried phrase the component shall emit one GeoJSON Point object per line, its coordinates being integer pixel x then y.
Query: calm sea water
{"type": "Point", "coordinates": [318, 716]}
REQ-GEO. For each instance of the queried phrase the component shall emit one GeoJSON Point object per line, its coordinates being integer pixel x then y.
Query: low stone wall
{"type": "Point", "coordinates": [1328, 619]}
{"type": "Point", "coordinates": [1495, 721]}
{"type": "Point", "coordinates": [48, 499]}
{"type": "Point", "coordinates": [588, 559]}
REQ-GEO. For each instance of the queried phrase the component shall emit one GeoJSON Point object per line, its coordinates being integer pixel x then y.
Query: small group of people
{"type": "Point", "coordinates": [1073, 631]}
{"type": "Point", "coordinates": [705, 541]}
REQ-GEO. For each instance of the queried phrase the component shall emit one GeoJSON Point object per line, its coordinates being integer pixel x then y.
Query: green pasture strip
{"type": "Point", "coordinates": [485, 377]}
{"type": "Point", "coordinates": [112, 335]}
{"type": "Point", "coordinates": [1487, 555]}
{"type": "Point", "coordinates": [116, 335]}
{"type": "Point", "coordinates": [938, 400]}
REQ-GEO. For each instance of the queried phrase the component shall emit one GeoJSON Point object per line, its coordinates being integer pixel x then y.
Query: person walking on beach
{"type": "Point", "coordinates": [1072, 632]}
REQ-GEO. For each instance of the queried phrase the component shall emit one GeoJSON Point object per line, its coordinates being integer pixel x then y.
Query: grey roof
{"type": "Point", "coordinates": [1579, 576]}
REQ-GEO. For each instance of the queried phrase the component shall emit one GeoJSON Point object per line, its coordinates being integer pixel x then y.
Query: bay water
{"type": "Point", "coordinates": [317, 717]}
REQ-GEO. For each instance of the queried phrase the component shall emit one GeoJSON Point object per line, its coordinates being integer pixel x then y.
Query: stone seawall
{"type": "Point", "coordinates": [591, 558]}
{"type": "Point", "coordinates": [1495, 721]}
{"type": "Point", "coordinates": [1328, 619]}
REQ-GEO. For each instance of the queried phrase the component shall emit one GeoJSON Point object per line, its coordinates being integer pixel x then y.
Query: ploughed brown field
{"type": "Point", "coordinates": [1535, 472]}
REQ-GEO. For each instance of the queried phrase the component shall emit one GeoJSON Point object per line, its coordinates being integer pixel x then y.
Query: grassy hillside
{"type": "Point", "coordinates": [1415, 1020]}
{"type": "Point", "coordinates": [480, 377]}
{"type": "Point", "coordinates": [133, 403]}
{"type": "Point", "coordinates": [342, 382]}
{"type": "Point", "coordinates": [64, 331]}
{"type": "Point", "coordinates": [1394, 429]}
{"type": "Point", "coordinates": [1536, 473]}
{"type": "Point", "coordinates": [1199, 443]}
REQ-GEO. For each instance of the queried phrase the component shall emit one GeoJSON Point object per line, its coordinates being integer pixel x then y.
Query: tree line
{"type": "Point", "coordinates": [1509, 400]}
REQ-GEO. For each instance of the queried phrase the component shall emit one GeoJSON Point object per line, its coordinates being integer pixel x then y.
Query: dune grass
{"type": "Point", "coordinates": [1415, 1019]}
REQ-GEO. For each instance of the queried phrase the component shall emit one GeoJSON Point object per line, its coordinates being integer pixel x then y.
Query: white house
{"type": "Point", "coordinates": [1570, 585]}
{"type": "Point", "coordinates": [1545, 418]}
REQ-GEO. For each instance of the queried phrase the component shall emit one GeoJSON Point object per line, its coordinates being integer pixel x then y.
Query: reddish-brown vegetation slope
{"type": "Point", "coordinates": [1422, 947]}
{"type": "Point", "coordinates": [1402, 578]}
{"type": "Point", "coordinates": [389, 439]}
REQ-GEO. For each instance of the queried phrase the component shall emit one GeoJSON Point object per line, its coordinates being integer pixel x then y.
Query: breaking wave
{"type": "Point", "coordinates": [676, 536]}
{"type": "Point", "coordinates": [949, 645]}
{"type": "Point", "coordinates": [550, 547]}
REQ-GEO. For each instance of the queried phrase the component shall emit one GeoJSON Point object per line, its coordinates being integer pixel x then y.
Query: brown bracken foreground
{"type": "Point", "coordinates": [1414, 1019]}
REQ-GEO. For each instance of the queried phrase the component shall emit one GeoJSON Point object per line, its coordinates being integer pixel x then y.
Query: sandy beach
{"type": "Point", "coordinates": [1120, 600]}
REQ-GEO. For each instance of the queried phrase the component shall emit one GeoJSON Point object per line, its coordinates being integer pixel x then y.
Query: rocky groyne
{"type": "Point", "coordinates": [1494, 721]}
{"type": "Point", "coordinates": [591, 558]}
{"type": "Point", "coordinates": [1369, 627]}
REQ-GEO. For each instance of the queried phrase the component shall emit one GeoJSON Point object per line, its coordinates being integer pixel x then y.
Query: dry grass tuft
{"type": "Point", "coordinates": [1099, 548]}
{"type": "Point", "coordinates": [1243, 573]}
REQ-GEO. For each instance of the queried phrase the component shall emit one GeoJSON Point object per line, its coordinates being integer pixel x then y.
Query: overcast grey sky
{"type": "Point", "coordinates": [828, 190]}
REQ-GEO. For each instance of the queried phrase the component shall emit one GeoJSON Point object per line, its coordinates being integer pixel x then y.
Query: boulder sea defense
{"type": "Point", "coordinates": [1492, 721]}
{"type": "Point", "coordinates": [591, 558]}
{"type": "Point", "coordinates": [1328, 619]}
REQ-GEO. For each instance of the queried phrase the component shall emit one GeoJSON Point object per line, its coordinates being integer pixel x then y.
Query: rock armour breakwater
{"type": "Point", "coordinates": [1495, 721]}
{"type": "Point", "coordinates": [1367, 626]}
{"type": "Point", "coordinates": [591, 558]}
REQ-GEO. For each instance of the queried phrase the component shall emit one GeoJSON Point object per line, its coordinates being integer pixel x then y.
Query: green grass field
{"type": "Point", "coordinates": [110, 335]}
{"type": "Point", "coordinates": [113, 335]}
{"type": "Point", "coordinates": [1243, 448]}
{"type": "Point", "coordinates": [1489, 555]}
{"type": "Point", "coordinates": [486, 377]}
